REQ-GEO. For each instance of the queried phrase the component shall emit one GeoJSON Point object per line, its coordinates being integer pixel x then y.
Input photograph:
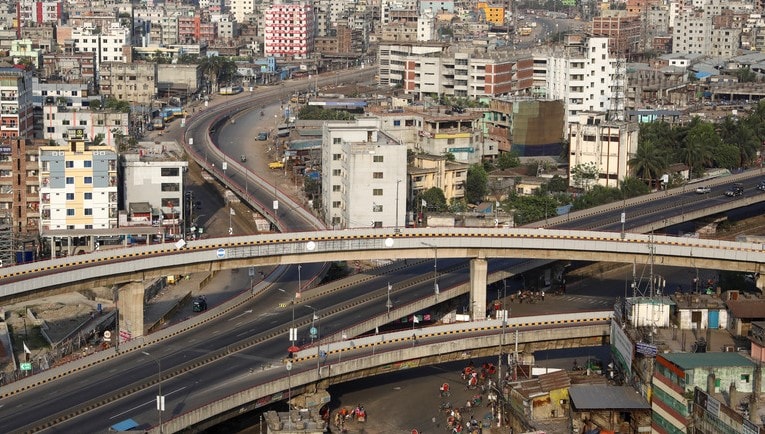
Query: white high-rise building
{"type": "Point", "coordinates": [109, 44]}
{"type": "Point", "coordinates": [584, 76]}
{"type": "Point", "coordinates": [241, 9]}
{"type": "Point", "coordinates": [364, 179]}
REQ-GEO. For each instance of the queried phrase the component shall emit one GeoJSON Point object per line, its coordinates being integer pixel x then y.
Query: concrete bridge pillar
{"type": "Point", "coordinates": [130, 305]}
{"type": "Point", "coordinates": [478, 268]}
{"type": "Point", "coordinates": [761, 280]}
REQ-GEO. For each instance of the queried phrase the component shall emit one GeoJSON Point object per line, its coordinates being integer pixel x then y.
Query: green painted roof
{"type": "Point", "coordinates": [703, 360]}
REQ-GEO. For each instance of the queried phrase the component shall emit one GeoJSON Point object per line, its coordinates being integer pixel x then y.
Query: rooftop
{"type": "Point", "coordinates": [600, 397]}
{"type": "Point", "coordinates": [707, 360]}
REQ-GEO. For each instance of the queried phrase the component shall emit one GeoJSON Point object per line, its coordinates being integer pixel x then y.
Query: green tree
{"type": "Point", "coordinates": [316, 113]}
{"type": "Point", "coordinates": [435, 199]}
{"type": "Point", "coordinates": [726, 156]}
{"type": "Point", "coordinates": [557, 184]}
{"type": "Point", "coordinates": [648, 163]}
{"type": "Point", "coordinates": [696, 151]}
{"type": "Point", "coordinates": [584, 175]}
{"type": "Point", "coordinates": [117, 105]}
{"type": "Point", "coordinates": [98, 140]}
{"type": "Point", "coordinates": [476, 184]}
{"type": "Point", "coordinates": [746, 75]}
{"type": "Point", "coordinates": [508, 160]}
{"type": "Point", "coordinates": [633, 187]}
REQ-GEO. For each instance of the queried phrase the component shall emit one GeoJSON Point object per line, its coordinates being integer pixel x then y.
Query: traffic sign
{"type": "Point", "coordinates": [251, 271]}
{"type": "Point", "coordinates": [313, 332]}
{"type": "Point", "coordinates": [221, 253]}
{"type": "Point", "coordinates": [26, 366]}
{"type": "Point", "coordinates": [107, 335]}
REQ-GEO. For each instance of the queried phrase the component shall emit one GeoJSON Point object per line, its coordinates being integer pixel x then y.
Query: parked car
{"type": "Point", "coordinates": [761, 186]}
{"type": "Point", "coordinates": [242, 158]}
{"type": "Point", "coordinates": [276, 165]}
{"type": "Point", "coordinates": [704, 189]}
{"type": "Point", "coordinates": [736, 189]}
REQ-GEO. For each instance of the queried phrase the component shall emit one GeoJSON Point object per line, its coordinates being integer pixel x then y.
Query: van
{"type": "Point", "coordinates": [276, 165]}
{"type": "Point", "coordinates": [199, 304]}
{"type": "Point", "coordinates": [262, 136]}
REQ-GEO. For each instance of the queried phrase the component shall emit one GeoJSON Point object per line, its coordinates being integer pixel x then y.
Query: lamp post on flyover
{"type": "Point", "coordinates": [388, 303]}
{"type": "Point", "coordinates": [313, 331]}
{"type": "Point", "coordinates": [160, 398]}
{"type": "Point", "coordinates": [436, 290]}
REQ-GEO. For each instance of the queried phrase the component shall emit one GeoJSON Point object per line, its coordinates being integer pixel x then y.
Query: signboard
{"type": "Point", "coordinates": [464, 149]}
{"type": "Point", "coordinates": [622, 347]}
{"type": "Point", "coordinates": [107, 336]}
{"type": "Point", "coordinates": [646, 349]}
{"type": "Point", "coordinates": [26, 366]}
{"type": "Point", "coordinates": [313, 332]}
{"type": "Point", "coordinates": [5, 150]}
{"type": "Point", "coordinates": [220, 253]}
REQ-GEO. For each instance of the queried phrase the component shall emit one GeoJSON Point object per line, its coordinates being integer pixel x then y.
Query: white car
{"type": "Point", "coordinates": [703, 190]}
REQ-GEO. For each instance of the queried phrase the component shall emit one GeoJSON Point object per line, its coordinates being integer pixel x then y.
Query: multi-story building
{"type": "Point", "coordinates": [79, 67]}
{"type": "Point", "coordinates": [429, 171]}
{"type": "Point", "coordinates": [158, 182]}
{"type": "Point", "coordinates": [40, 11]}
{"type": "Point", "coordinates": [78, 185]}
{"type": "Point", "coordinates": [677, 375]}
{"type": "Point", "coordinates": [492, 14]}
{"type": "Point", "coordinates": [242, 9]}
{"type": "Point", "coordinates": [622, 31]}
{"type": "Point", "coordinates": [699, 29]}
{"type": "Point", "coordinates": [69, 94]}
{"type": "Point", "coordinates": [16, 110]}
{"type": "Point", "coordinates": [289, 30]}
{"type": "Point", "coordinates": [363, 176]}
{"type": "Point", "coordinates": [458, 134]}
{"type": "Point", "coordinates": [606, 146]}
{"type": "Point", "coordinates": [58, 119]}
{"type": "Point", "coordinates": [43, 36]}
{"type": "Point", "coordinates": [110, 44]}
{"type": "Point", "coordinates": [584, 75]}
{"type": "Point", "coordinates": [24, 50]}
{"type": "Point", "coordinates": [530, 128]}
{"type": "Point", "coordinates": [133, 82]}
{"type": "Point", "coordinates": [193, 30]}
{"type": "Point", "coordinates": [424, 68]}
{"type": "Point", "coordinates": [19, 189]}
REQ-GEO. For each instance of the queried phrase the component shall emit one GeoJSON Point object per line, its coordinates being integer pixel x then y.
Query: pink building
{"type": "Point", "coordinates": [289, 30]}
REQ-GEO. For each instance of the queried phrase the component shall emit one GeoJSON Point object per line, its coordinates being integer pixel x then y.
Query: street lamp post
{"type": "Point", "coordinates": [313, 332]}
{"type": "Point", "coordinates": [160, 398]}
{"type": "Point", "coordinates": [389, 304]}
{"type": "Point", "coordinates": [436, 290]}
{"type": "Point", "coordinates": [300, 282]}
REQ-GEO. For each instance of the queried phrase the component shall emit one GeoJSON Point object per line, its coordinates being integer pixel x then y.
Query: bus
{"type": "Point", "coordinates": [230, 90]}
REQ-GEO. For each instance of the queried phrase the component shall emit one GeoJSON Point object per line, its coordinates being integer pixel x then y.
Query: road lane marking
{"type": "Point", "coordinates": [153, 401]}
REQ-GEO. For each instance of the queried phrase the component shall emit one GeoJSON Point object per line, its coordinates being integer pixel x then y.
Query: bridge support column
{"type": "Point", "coordinates": [761, 280]}
{"type": "Point", "coordinates": [131, 309]}
{"type": "Point", "coordinates": [478, 268]}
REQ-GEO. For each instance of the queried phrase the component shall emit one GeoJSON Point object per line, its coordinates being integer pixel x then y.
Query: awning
{"type": "Point", "coordinates": [125, 425]}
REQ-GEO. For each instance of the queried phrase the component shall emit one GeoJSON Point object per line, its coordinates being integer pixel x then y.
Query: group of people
{"type": "Point", "coordinates": [457, 425]}
{"type": "Point", "coordinates": [358, 414]}
{"type": "Point", "coordinates": [529, 296]}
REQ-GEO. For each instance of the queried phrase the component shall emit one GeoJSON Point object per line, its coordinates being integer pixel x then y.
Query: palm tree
{"type": "Point", "coordinates": [649, 162]}
{"type": "Point", "coordinates": [211, 67]}
{"type": "Point", "coordinates": [697, 147]}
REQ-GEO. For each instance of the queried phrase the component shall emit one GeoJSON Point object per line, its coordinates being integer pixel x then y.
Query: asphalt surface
{"type": "Point", "coordinates": [261, 319]}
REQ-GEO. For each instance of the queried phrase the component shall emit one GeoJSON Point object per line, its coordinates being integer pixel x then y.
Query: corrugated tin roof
{"type": "Point", "coordinates": [596, 397]}
{"type": "Point", "coordinates": [555, 381]}
{"type": "Point", "coordinates": [747, 308]}
{"type": "Point", "coordinates": [706, 360]}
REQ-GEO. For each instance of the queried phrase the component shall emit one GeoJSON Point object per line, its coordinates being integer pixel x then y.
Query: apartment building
{"type": "Point", "coordinates": [425, 68]}
{"type": "Point", "coordinates": [606, 145]}
{"type": "Point", "coordinates": [443, 131]}
{"type": "Point", "coordinates": [158, 182]}
{"type": "Point", "coordinates": [697, 29]}
{"type": "Point", "coordinates": [363, 176]}
{"type": "Point", "coordinates": [40, 11]}
{"type": "Point", "coordinates": [111, 44]}
{"type": "Point", "coordinates": [192, 30]}
{"type": "Point", "coordinates": [77, 67]}
{"type": "Point", "coordinates": [19, 188]}
{"type": "Point", "coordinates": [241, 9]}
{"type": "Point", "coordinates": [78, 185]}
{"type": "Point", "coordinates": [622, 30]}
{"type": "Point", "coordinates": [16, 110]}
{"type": "Point", "coordinates": [58, 119]}
{"type": "Point", "coordinates": [583, 74]}
{"type": "Point", "coordinates": [133, 82]}
{"type": "Point", "coordinates": [429, 171]}
{"type": "Point", "coordinates": [289, 30]}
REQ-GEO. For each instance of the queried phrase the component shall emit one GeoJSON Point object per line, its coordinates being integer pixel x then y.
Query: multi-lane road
{"type": "Point", "coordinates": [213, 361]}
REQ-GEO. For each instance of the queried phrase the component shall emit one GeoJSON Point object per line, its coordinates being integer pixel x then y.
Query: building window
{"type": "Point", "coordinates": [88, 180]}
{"type": "Point", "coordinates": [169, 171]}
{"type": "Point", "coordinates": [377, 208]}
{"type": "Point", "coordinates": [335, 172]}
{"type": "Point", "coordinates": [377, 175]}
{"type": "Point", "coordinates": [337, 140]}
{"type": "Point", "coordinates": [378, 159]}
{"type": "Point", "coordinates": [377, 192]}
{"type": "Point", "coordinates": [70, 212]}
{"type": "Point", "coordinates": [88, 211]}
{"type": "Point", "coordinates": [336, 157]}
{"type": "Point", "coordinates": [336, 204]}
{"type": "Point", "coordinates": [88, 196]}
{"type": "Point", "coordinates": [171, 186]}
{"type": "Point", "coordinates": [87, 163]}
{"type": "Point", "coordinates": [69, 164]}
{"type": "Point", "coordinates": [70, 196]}
{"type": "Point", "coordinates": [336, 187]}
{"type": "Point", "coordinates": [84, 123]}
{"type": "Point", "coordinates": [70, 180]}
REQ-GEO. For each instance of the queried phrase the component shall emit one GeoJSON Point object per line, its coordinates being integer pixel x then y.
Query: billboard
{"type": "Point", "coordinates": [621, 347]}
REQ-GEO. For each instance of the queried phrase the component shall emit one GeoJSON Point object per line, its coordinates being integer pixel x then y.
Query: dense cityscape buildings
{"type": "Point", "coordinates": [487, 114]}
